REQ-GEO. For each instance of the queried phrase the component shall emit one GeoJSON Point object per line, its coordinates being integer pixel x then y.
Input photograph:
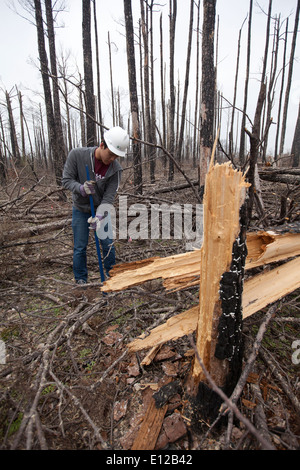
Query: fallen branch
{"type": "Point", "coordinates": [265, 444]}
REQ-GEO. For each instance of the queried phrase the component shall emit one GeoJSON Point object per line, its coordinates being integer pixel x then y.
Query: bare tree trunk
{"type": "Point", "coordinates": [20, 97]}
{"type": "Point", "coordinates": [234, 94]}
{"type": "Point", "coordinates": [63, 72]}
{"type": "Point", "coordinates": [147, 117]}
{"type": "Point", "coordinates": [173, 15]}
{"type": "Point", "coordinates": [195, 139]}
{"type": "Point", "coordinates": [296, 142]}
{"type": "Point", "coordinates": [289, 81]}
{"type": "Point", "coordinates": [208, 88]}
{"type": "Point", "coordinates": [143, 124]}
{"type": "Point", "coordinates": [137, 162]}
{"type": "Point", "coordinates": [12, 131]}
{"type": "Point", "coordinates": [186, 82]}
{"type": "Point", "coordinates": [242, 137]}
{"type": "Point", "coordinates": [254, 146]}
{"type": "Point", "coordinates": [271, 91]}
{"type": "Point", "coordinates": [98, 69]}
{"type": "Point", "coordinates": [81, 112]}
{"type": "Point", "coordinates": [111, 80]}
{"type": "Point", "coordinates": [56, 101]}
{"type": "Point", "coordinates": [162, 86]}
{"type": "Point", "coordinates": [281, 92]}
{"type": "Point", "coordinates": [153, 101]}
{"type": "Point", "coordinates": [54, 150]}
{"type": "Point", "coordinates": [88, 73]}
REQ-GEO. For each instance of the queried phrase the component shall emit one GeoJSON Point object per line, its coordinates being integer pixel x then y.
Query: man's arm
{"type": "Point", "coordinates": [70, 173]}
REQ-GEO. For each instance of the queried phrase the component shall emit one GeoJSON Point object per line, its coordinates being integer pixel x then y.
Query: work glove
{"type": "Point", "coordinates": [95, 222]}
{"type": "Point", "coordinates": [87, 188]}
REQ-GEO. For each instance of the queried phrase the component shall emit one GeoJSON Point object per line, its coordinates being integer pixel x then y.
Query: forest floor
{"type": "Point", "coordinates": [67, 381]}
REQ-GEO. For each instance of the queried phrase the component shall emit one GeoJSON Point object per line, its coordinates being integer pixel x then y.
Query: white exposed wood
{"type": "Point", "coordinates": [259, 291]}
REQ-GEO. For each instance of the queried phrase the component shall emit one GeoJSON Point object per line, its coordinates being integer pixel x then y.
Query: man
{"type": "Point", "coordinates": [105, 173]}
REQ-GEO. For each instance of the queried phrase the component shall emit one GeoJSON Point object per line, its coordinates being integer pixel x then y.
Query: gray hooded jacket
{"type": "Point", "coordinates": [74, 175]}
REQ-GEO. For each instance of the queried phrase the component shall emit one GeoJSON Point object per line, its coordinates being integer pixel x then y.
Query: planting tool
{"type": "Point", "coordinates": [96, 238]}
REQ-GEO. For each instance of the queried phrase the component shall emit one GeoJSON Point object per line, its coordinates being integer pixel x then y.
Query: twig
{"type": "Point", "coordinates": [265, 444]}
{"type": "Point", "coordinates": [274, 370]}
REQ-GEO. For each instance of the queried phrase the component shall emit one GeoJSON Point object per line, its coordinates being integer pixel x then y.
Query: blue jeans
{"type": "Point", "coordinates": [81, 232]}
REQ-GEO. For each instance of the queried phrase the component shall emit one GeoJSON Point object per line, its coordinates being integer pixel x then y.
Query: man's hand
{"type": "Point", "coordinates": [87, 188]}
{"type": "Point", "coordinates": [95, 222]}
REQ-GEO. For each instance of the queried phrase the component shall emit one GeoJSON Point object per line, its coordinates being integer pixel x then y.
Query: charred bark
{"type": "Point", "coordinates": [208, 87]}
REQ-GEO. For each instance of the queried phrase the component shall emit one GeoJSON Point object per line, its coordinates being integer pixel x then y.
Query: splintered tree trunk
{"type": "Point", "coordinates": [219, 340]}
{"type": "Point", "coordinates": [208, 87]}
{"type": "Point", "coordinates": [138, 179]}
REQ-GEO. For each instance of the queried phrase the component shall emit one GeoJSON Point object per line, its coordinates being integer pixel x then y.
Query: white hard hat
{"type": "Point", "coordinates": [117, 140]}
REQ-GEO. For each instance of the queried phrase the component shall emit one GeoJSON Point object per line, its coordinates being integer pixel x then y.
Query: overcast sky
{"type": "Point", "coordinates": [18, 48]}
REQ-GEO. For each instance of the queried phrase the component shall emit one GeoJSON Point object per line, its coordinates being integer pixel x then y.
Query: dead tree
{"type": "Point", "coordinates": [231, 151]}
{"type": "Point", "coordinates": [47, 91]}
{"type": "Point", "coordinates": [186, 82]}
{"type": "Point", "coordinates": [281, 92]}
{"type": "Point", "coordinates": [296, 142]}
{"type": "Point", "coordinates": [88, 74]}
{"type": "Point", "coordinates": [138, 179]}
{"type": "Point", "coordinates": [162, 85]}
{"type": "Point", "coordinates": [195, 138]}
{"type": "Point", "coordinates": [55, 87]}
{"type": "Point", "coordinates": [289, 80]}
{"type": "Point", "coordinates": [153, 101]}
{"type": "Point", "coordinates": [146, 81]}
{"type": "Point", "coordinates": [111, 80]}
{"type": "Point", "coordinates": [208, 88]}
{"type": "Point", "coordinates": [12, 131]}
{"type": "Point", "coordinates": [98, 69]}
{"type": "Point", "coordinates": [171, 140]}
{"type": "Point", "coordinates": [242, 137]}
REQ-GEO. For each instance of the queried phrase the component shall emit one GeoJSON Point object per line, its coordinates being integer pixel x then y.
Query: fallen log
{"type": "Point", "coordinates": [32, 231]}
{"type": "Point", "coordinates": [150, 428]}
{"type": "Point", "coordinates": [280, 178]}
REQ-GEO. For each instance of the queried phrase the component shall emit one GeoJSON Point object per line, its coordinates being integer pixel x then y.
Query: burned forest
{"type": "Point", "coordinates": [192, 342]}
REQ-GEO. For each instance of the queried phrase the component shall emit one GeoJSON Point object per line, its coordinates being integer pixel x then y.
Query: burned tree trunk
{"type": "Point", "coordinates": [171, 140]}
{"type": "Point", "coordinates": [88, 73]}
{"type": "Point", "coordinates": [186, 83]}
{"type": "Point", "coordinates": [208, 87]}
{"type": "Point", "coordinates": [224, 252]}
{"type": "Point", "coordinates": [138, 179]}
{"type": "Point", "coordinates": [12, 128]}
{"type": "Point", "coordinates": [289, 79]}
{"type": "Point", "coordinates": [242, 138]}
{"type": "Point", "coordinates": [296, 143]}
{"type": "Point", "coordinates": [47, 90]}
{"type": "Point", "coordinates": [56, 101]}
